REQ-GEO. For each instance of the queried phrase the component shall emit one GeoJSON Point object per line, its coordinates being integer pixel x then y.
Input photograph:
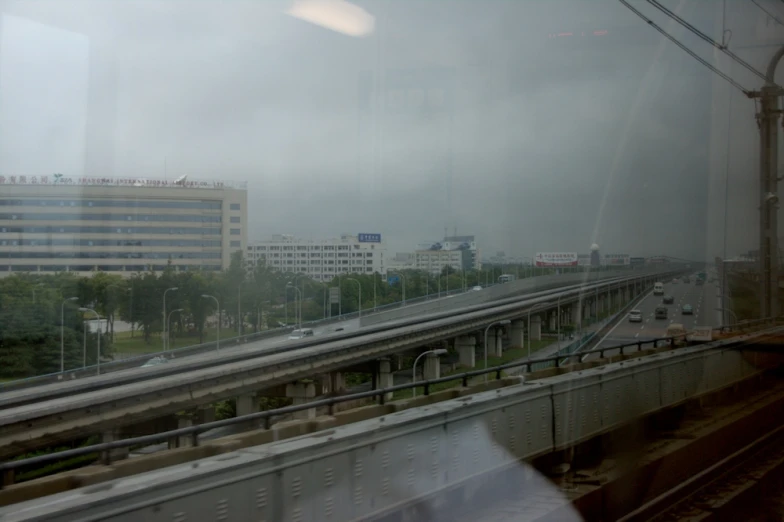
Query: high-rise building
{"type": "Point", "coordinates": [434, 261]}
{"type": "Point", "coordinates": [320, 260]}
{"type": "Point", "coordinates": [78, 224]}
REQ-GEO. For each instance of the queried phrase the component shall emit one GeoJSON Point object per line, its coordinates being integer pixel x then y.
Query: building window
{"type": "Point", "coordinates": [234, 206]}
{"type": "Point", "coordinates": [234, 219]}
{"type": "Point", "coordinates": [235, 244]}
{"type": "Point", "coordinates": [235, 231]}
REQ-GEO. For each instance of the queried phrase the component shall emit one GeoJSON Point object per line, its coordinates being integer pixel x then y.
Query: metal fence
{"type": "Point", "coordinates": [7, 468]}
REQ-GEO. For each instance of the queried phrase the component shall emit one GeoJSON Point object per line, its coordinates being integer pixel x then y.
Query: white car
{"type": "Point", "coordinates": [635, 316]}
{"type": "Point", "coordinates": [155, 361]}
{"type": "Point", "coordinates": [476, 288]}
{"type": "Point", "coordinates": [300, 334]}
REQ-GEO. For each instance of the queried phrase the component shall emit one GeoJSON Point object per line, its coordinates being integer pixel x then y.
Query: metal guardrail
{"type": "Point", "coordinates": [164, 370]}
{"type": "Point", "coordinates": [195, 349]}
{"type": "Point", "coordinates": [267, 416]}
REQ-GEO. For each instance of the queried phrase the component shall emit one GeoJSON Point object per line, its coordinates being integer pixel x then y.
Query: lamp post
{"type": "Point", "coordinates": [497, 323]}
{"type": "Point", "coordinates": [533, 308]}
{"type": "Point", "coordinates": [164, 314]}
{"type": "Point", "coordinates": [439, 352]}
{"type": "Point", "coordinates": [402, 284]}
{"type": "Point", "coordinates": [62, 332]}
{"type": "Point", "coordinates": [729, 311]}
{"type": "Point", "coordinates": [239, 310]}
{"type": "Point", "coordinates": [360, 294]}
{"type": "Point", "coordinates": [168, 321]}
{"type": "Point", "coordinates": [297, 295]}
{"type": "Point", "coordinates": [217, 304]}
{"type": "Point", "coordinates": [98, 350]}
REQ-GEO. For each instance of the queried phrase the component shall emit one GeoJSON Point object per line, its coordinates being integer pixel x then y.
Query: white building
{"type": "Point", "coordinates": [434, 261]}
{"type": "Point", "coordinates": [321, 260]}
{"type": "Point", "coordinates": [401, 261]}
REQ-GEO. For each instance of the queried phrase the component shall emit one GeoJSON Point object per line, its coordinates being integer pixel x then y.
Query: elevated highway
{"type": "Point", "coordinates": [74, 409]}
{"type": "Point", "coordinates": [434, 462]}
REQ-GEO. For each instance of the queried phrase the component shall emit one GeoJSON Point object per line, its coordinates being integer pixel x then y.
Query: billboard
{"type": "Point", "coordinates": [584, 260]}
{"type": "Point", "coordinates": [616, 260]}
{"type": "Point", "coordinates": [555, 259]}
{"type": "Point", "coordinates": [369, 238]}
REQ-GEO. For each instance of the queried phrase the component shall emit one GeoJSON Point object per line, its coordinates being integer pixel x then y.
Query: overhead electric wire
{"type": "Point", "coordinates": [686, 48]}
{"type": "Point", "coordinates": [706, 38]}
{"type": "Point", "coordinates": [774, 17]}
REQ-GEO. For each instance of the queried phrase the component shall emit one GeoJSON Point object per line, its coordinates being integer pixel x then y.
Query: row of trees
{"type": "Point", "coordinates": [31, 306]}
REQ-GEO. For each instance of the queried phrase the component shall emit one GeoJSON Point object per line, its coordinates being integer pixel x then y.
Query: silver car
{"type": "Point", "coordinates": [635, 316]}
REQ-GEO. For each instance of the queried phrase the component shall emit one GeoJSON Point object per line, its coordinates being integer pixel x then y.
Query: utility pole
{"type": "Point", "coordinates": [767, 121]}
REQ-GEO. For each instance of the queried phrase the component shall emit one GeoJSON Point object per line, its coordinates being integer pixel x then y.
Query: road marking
{"type": "Point", "coordinates": [636, 335]}
{"type": "Point", "coordinates": [642, 327]}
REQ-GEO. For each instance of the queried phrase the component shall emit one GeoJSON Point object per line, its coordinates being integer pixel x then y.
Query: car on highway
{"type": "Point", "coordinates": [476, 288]}
{"type": "Point", "coordinates": [301, 334]}
{"type": "Point", "coordinates": [668, 299]}
{"type": "Point", "coordinates": [661, 312]}
{"type": "Point", "coordinates": [675, 281]}
{"type": "Point", "coordinates": [635, 316]}
{"type": "Point", "coordinates": [686, 280]}
{"type": "Point", "coordinates": [155, 361]}
{"type": "Point", "coordinates": [687, 310]}
{"type": "Point", "coordinates": [339, 329]}
{"type": "Point", "coordinates": [699, 282]}
{"type": "Point", "coordinates": [658, 288]}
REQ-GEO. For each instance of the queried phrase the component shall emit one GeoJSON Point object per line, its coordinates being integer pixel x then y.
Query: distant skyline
{"type": "Point", "coordinates": [469, 115]}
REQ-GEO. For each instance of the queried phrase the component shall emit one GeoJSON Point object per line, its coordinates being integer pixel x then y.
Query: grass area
{"type": "Point", "coordinates": [507, 357]}
{"type": "Point", "coordinates": [129, 346]}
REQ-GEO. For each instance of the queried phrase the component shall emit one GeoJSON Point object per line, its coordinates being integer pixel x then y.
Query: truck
{"type": "Point", "coordinates": [658, 288]}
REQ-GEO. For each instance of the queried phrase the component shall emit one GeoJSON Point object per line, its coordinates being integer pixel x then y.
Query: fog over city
{"type": "Point", "coordinates": [535, 126]}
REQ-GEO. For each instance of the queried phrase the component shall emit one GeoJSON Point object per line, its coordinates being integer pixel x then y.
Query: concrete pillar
{"type": "Point", "coordinates": [385, 377]}
{"type": "Point", "coordinates": [247, 403]}
{"type": "Point", "coordinates": [205, 415]}
{"type": "Point", "coordinates": [115, 454]}
{"type": "Point", "coordinates": [302, 393]}
{"type": "Point", "coordinates": [536, 328]}
{"type": "Point", "coordinates": [517, 334]}
{"type": "Point", "coordinates": [333, 382]}
{"type": "Point", "coordinates": [586, 311]}
{"type": "Point", "coordinates": [465, 348]}
{"type": "Point", "coordinates": [184, 421]}
{"type": "Point", "coordinates": [495, 339]}
{"type": "Point", "coordinates": [432, 368]}
{"type": "Point", "coordinates": [553, 318]}
{"type": "Point", "coordinates": [574, 312]}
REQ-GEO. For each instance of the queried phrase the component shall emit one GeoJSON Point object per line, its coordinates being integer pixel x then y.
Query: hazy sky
{"type": "Point", "coordinates": [458, 113]}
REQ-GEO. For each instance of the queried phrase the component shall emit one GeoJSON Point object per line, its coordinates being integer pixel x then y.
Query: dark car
{"type": "Point", "coordinates": [668, 299]}
{"type": "Point", "coordinates": [661, 313]}
{"type": "Point", "coordinates": [687, 310]}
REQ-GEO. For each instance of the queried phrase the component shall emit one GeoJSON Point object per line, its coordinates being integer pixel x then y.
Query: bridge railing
{"type": "Point", "coordinates": [7, 468]}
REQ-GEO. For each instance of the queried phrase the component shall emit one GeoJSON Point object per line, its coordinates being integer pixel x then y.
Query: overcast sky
{"type": "Point", "coordinates": [531, 142]}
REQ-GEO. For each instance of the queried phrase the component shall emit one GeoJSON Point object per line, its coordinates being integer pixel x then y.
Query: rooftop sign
{"type": "Point", "coordinates": [77, 181]}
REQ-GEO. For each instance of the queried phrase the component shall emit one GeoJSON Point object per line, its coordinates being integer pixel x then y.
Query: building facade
{"type": "Point", "coordinates": [464, 243]}
{"type": "Point", "coordinates": [77, 224]}
{"type": "Point", "coordinates": [434, 261]}
{"type": "Point", "coordinates": [320, 260]}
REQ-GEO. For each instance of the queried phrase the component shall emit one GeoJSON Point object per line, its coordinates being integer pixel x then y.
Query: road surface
{"type": "Point", "coordinates": [703, 299]}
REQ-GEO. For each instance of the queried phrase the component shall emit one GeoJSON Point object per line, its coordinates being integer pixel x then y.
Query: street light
{"type": "Point", "coordinates": [360, 294]}
{"type": "Point", "coordinates": [98, 350]}
{"type": "Point", "coordinates": [217, 345]}
{"type": "Point", "coordinates": [402, 284]}
{"type": "Point", "coordinates": [539, 306]}
{"type": "Point", "coordinates": [297, 295]}
{"type": "Point", "coordinates": [497, 323]}
{"type": "Point", "coordinates": [239, 310]}
{"type": "Point", "coordinates": [62, 333]}
{"type": "Point", "coordinates": [439, 352]}
{"type": "Point", "coordinates": [164, 315]}
{"type": "Point", "coordinates": [168, 321]}
{"type": "Point", "coordinates": [730, 311]}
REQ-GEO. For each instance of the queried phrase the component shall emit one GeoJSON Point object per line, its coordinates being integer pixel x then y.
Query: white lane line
{"type": "Point", "coordinates": [636, 335]}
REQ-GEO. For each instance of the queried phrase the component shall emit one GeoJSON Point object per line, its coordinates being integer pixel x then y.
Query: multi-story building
{"type": "Point", "coordinates": [79, 224]}
{"type": "Point", "coordinates": [434, 261]}
{"type": "Point", "coordinates": [321, 260]}
{"type": "Point", "coordinates": [464, 243]}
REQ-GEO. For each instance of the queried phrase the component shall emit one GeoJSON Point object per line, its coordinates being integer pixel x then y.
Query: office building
{"type": "Point", "coordinates": [434, 261]}
{"type": "Point", "coordinates": [80, 224]}
{"type": "Point", "coordinates": [320, 260]}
